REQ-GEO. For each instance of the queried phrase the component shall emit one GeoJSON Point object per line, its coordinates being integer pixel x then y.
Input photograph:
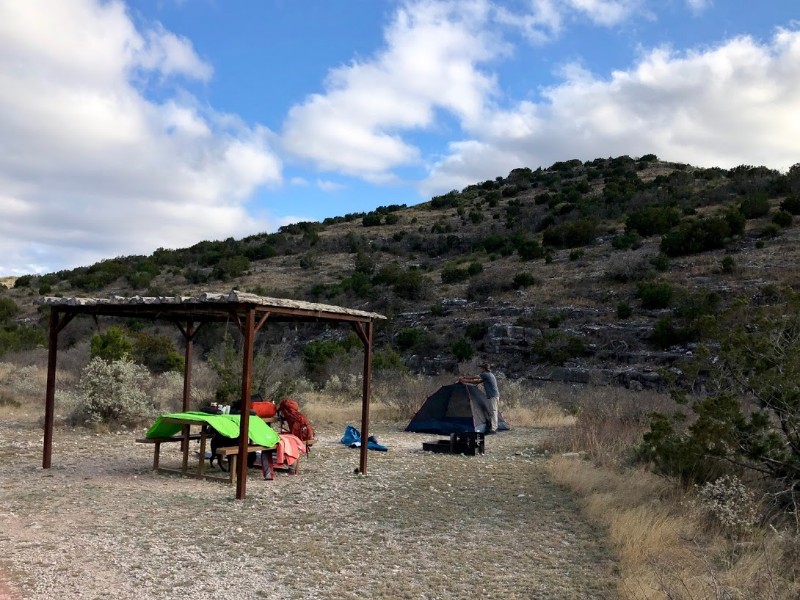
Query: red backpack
{"type": "Point", "coordinates": [295, 421]}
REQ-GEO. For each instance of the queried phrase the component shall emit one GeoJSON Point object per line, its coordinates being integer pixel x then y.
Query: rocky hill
{"type": "Point", "coordinates": [586, 272]}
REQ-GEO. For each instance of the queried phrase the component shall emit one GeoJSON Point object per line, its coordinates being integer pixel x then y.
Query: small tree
{"type": "Point", "coordinates": [751, 416]}
{"type": "Point", "coordinates": [462, 350]}
{"type": "Point", "coordinates": [113, 344]}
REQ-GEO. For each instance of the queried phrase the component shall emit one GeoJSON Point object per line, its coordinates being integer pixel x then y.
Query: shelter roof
{"type": "Point", "coordinates": [208, 306]}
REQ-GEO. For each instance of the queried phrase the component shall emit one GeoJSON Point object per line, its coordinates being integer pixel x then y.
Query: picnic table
{"type": "Point", "coordinates": [177, 428]}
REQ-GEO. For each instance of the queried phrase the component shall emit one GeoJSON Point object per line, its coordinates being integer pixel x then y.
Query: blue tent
{"type": "Point", "coordinates": [455, 408]}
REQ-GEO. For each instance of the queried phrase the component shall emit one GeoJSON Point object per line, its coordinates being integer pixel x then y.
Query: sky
{"type": "Point", "coordinates": [132, 125]}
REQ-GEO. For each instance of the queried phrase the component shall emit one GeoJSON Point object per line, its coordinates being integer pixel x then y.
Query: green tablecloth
{"type": "Point", "coordinates": [260, 432]}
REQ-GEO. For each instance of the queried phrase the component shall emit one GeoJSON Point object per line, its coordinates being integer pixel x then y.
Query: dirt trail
{"type": "Point", "coordinates": [101, 524]}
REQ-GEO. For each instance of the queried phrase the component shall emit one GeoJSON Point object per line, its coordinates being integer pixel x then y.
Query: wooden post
{"type": "Point", "coordinates": [244, 419]}
{"type": "Point", "coordinates": [367, 378]}
{"type": "Point", "coordinates": [50, 393]}
{"type": "Point", "coordinates": [56, 325]}
{"type": "Point", "coordinates": [188, 336]}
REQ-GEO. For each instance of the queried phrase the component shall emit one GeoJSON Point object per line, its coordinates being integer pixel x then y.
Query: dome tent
{"type": "Point", "coordinates": [455, 408]}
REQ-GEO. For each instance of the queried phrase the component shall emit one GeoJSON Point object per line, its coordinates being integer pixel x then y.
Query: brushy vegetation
{"type": "Point", "coordinates": [715, 463]}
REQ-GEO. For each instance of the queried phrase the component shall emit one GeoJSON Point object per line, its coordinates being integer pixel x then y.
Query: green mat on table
{"type": "Point", "coordinates": [260, 433]}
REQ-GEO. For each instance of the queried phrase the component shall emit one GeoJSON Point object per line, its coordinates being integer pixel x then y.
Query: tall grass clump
{"type": "Point", "coordinates": [608, 423]}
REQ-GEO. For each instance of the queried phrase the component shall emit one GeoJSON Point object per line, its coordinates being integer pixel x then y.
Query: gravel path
{"type": "Point", "coordinates": [419, 526]}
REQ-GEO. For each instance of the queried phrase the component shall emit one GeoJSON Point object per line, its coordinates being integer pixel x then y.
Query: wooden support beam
{"type": "Point", "coordinates": [364, 331]}
{"type": "Point", "coordinates": [244, 419]}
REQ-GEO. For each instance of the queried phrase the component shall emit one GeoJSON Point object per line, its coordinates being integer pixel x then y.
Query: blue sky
{"type": "Point", "coordinates": [138, 124]}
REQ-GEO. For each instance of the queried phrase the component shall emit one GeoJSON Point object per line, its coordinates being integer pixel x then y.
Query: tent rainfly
{"type": "Point", "coordinates": [250, 312]}
{"type": "Point", "coordinates": [455, 408]}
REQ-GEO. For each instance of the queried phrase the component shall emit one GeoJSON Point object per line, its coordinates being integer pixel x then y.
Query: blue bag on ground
{"type": "Point", "coordinates": [352, 438]}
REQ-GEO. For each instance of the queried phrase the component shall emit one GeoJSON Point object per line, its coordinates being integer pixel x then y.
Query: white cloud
{"type": "Point", "coordinates": [429, 64]}
{"type": "Point", "coordinates": [329, 186]}
{"type": "Point", "coordinates": [698, 6]}
{"type": "Point", "coordinates": [541, 21]}
{"type": "Point", "coordinates": [725, 106]}
{"type": "Point", "coordinates": [89, 166]}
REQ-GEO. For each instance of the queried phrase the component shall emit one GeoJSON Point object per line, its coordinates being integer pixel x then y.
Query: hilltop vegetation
{"type": "Point", "coordinates": [583, 265]}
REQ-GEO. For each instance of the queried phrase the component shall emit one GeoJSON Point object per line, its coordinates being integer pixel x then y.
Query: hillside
{"type": "Point", "coordinates": [594, 272]}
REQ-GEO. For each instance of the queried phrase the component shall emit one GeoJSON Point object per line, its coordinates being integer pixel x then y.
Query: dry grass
{"type": "Point", "coordinates": [666, 548]}
{"type": "Point", "coordinates": [101, 524]}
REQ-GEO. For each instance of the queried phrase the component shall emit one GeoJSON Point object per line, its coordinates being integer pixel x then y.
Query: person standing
{"type": "Point", "coordinates": [489, 382]}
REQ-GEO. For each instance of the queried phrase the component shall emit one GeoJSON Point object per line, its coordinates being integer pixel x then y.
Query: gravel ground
{"type": "Point", "coordinates": [101, 524]}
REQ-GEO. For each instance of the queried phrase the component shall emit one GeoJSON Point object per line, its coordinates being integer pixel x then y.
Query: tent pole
{"type": "Point", "coordinates": [244, 419]}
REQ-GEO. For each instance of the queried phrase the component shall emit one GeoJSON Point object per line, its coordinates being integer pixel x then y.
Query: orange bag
{"type": "Point", "coordinates": [265, 410]}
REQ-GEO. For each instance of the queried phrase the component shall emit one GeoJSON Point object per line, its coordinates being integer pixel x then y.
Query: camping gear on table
{"type": "Point", "coordinates": [260, 433]}
{"type": "Point", "coordinates": [264, 409]}
{"type": "Point", "coordinates": [455, 408]}
{"type": "Point", "coordinates": [294, 421]}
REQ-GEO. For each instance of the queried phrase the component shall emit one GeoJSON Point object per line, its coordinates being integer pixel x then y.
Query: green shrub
{"type": "Point", "coordinates": [157, 353]}
{"type": "Point", "coordinates": [529, 249]}
{"type": "Point", "coordinates": [570, 234]}
{"type": "Point", "coordinates": [626, 241]}
{"type": "Point", "coordinates": [696, 236]}
{"type": "Point", "coordinates": [665, 334]}
{"type": "Point", "coordinates": [476, 331]}
{"type": "Point", "coordinates": [755, 206]}
{"type": "Point", "coordinates": [728, 264]}
{"type": "Point", "coordinates": [475, 216]}
{"type": "Point", "coordinates": [17, 337]}
{"type": "Point", "coordinates": [410, 285]}
{"type": "Point", "coordinates": [576, 254]}
{"type": "Point", "coordinates": [308, 261]}
{"type": "Point", "coordinates": [230, 268]}
{"type": "Point", "coordinates": [736, 222]}
{"type": "Point", "coordinates": [196, 276]}
{"type": "Point", "coordinates": [652, 221]}
{"type": "Point", "coordinates": [523, 280]}
{"type": "Point", "coordinates": [624, 311]}
{"type": "Point", "coordinates": [782, 218]}
{"type": "Point", "coordinates": [474, 268]}
{"type": "Point", "coordinates": [770, 231]}
{"type": "Point", "coordinates": [462, 350]}
{"type": "Point", "coordinates": [452, 273]}
{"type": "Point", "coordinates": [412, 338]}
{"type": "Point", "coordinates": [372, 219]}
{"type": "Point", "coordinates": [111, 345]}
{"type": "Point", "coordinates": [386, 359]}
{"type": "Point", "coordinates": [23, 281]}
{"type": "Point", "coordinates": [791, 204]}
{"type": "Point", "coordinates": [8, 310]}
{"type": "Point", "coordinates": [654, 295]}
{"type": "Point", "coordinates": [660, 261]}
{"type": "Point", "coordinates": [556, 348]}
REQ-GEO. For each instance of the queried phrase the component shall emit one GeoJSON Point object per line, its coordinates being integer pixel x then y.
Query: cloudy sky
{"type": "Point", "coordinates": [130, 125]}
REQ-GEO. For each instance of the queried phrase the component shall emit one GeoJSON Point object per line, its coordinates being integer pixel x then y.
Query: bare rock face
{"type": "Point", "coordinates": [503, 338]}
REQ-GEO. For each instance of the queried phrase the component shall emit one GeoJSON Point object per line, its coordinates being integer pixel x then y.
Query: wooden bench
{"type": "Point", "coordinates": [163, 440]}
{"type": "Point", "coordinates": [232, 454]}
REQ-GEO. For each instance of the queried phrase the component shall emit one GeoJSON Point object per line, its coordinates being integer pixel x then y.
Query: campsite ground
{"type": "Point", "coordinates": [101, 524]}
